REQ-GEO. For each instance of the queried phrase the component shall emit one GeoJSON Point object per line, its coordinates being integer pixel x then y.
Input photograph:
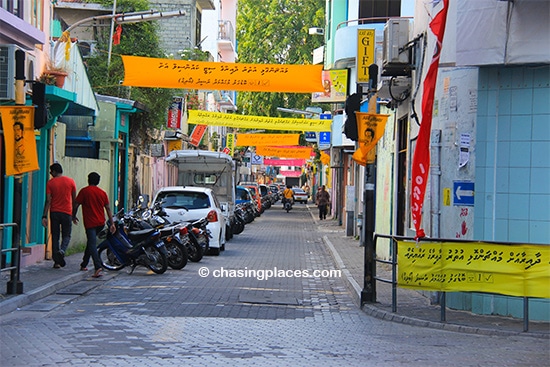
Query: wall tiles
{"type": "Point", "coordinates": [503, 127]}
{"type": "Point", "coordinates": [539, 232]}
{"type": "Point", "coordinates": [503, 155]}
{"type": "Point", "coordinates": [541, 127]}
{"type": "Point", "coordinates": [520, 127]}
{"type": "Point", "coordinates": [502, 206]}
{"type": "Point", "coordinates": [541, 76]}
{"type": "Point", "coordinates": [505, 102]}
{"type": "Point", "coordinates": [540, 154]}
{"type": "Point", "coordinates": [540, 181]}
{"type": "Point", "coordinates": [482, 96]}
{"type": "Point", "coordinates": [519, 180]}
{"type": "Point", "coordinates": [518, 231]}
{"type": "Point", "coordinates": [522, 101]}
{"type": "Point", "coordinates": [518, 206]}
{"type": "Point", "coordinates": [520, 154]}
{"type": "Point", "coordinates": [539, 207]}
{"type": "Point", "coordinates": [541, 101]}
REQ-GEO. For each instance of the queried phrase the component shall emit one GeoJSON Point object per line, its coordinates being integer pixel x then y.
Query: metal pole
{"type": "Point", "coordinates": [111, 35]}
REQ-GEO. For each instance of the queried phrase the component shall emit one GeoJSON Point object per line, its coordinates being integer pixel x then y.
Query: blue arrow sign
{"type": "Point", "coordinates": [463, 193]}
{"type": "Point", "coordinates": [324, 137]}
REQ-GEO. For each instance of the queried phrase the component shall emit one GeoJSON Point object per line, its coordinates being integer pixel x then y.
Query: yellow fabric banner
{"type": "Point", "coordinates": [181, 74]}
{"type": "Point", "coordinates": [19, 139]}
{"type": "Point", "coordinates": [514, 270]}
{"type": "Point", "coordinates": [370, 128]}
{"type": "Point", "coordinates": [257, 122]}
{"type": "Point", "coordinates": [267, 139]}
{"type": "Point", "coordinates": [285, 152]}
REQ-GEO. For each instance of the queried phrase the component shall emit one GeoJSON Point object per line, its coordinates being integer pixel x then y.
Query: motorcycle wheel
{"type": "Point", "coordinates": [155, 260]}
{"type": "Point", "coordinates": [238, 227]}
{"type": "Point", "coordinates": [108, 258]}
{"type": "Point", "coordinates": [177, 254]}
{"type": "Point", "coordinates": [194, 251]}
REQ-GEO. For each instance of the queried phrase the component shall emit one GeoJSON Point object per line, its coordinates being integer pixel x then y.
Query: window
{"type": "Point", "coordinates": [379, 8]}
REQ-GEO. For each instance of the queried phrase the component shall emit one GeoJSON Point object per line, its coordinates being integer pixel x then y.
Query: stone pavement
{"type": "Point", "coordinates": [413, 308]}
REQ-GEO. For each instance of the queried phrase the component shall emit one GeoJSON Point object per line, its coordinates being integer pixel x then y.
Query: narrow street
{"type": "Point", "coordinates": [254, 305]}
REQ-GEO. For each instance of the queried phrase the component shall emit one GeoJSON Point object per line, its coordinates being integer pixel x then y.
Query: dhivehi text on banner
{"type": "Point", "coordinates": [181, 74]}
{"type": "Point", "coordinates": [267, 139]}
{"type": "Point", "coordinates": [19, 139]}
{"type": "Point", "coordinates": [285, 152]}
{"type": "Point", "coordinates": [257, 122]}
{"type": "Point", "coordinates": [197, 134]}
{"type": "Point", "coordinates": [513, 270]}
{"type": "Point", "coordinates": [230, 143]}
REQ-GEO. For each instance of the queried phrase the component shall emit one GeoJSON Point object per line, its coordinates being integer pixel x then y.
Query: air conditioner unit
{"type": "Point", "coordinates": [87, 48]}
{"type": "Point", "coordinates": [7, 72]}
{"type": "Point", "coordinates": [395, 61]}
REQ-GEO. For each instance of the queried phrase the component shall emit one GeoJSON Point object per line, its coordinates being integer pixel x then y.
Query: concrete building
{"type": "Point", "coordinates": [490, 133]}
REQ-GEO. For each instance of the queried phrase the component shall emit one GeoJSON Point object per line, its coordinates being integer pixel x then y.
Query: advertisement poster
{"type": "Point", "coordinates": [20, 142]}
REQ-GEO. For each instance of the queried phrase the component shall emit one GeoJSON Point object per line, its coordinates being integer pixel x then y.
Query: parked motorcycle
{"type": "Point", "coordinates": [138, 219]}
{"type": "Point", "coordinates": [132, 248]}
{"type": "Point", "coordinates": [240, 220]}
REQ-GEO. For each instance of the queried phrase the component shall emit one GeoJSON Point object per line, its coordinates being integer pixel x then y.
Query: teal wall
{"type": "Point", "coordinates": [512, 173]}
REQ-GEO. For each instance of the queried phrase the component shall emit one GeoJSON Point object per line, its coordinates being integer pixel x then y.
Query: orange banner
{"type": "Point", "coordinates": [370, 128]}
{"type": "Point", "coordinates": [284, 152]}
{"type": "Point", "coordinates": [20, 142]}
{"type": "Point", "coordinates": [267, 139]}
{"type": "Point", "coordinates": [165, 73]}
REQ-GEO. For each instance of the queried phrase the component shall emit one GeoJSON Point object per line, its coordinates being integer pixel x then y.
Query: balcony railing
{"type": "Point", "coordinates": [225, 31]}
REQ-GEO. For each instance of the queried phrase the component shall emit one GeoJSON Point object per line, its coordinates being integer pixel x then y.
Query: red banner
{"type": "Point", "coordinates": [174, 113]}
{"type": "Point", "coordinates": [421, 159]}
{"type": "Point", "coordinates": [284, 162]}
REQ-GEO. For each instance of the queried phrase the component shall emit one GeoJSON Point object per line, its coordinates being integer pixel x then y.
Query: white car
{"type": "Point", "coordinates": [190, 203]}
{"type": "Point", "coordinates": [300, 196]}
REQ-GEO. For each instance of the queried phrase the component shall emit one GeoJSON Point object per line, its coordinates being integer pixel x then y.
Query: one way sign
{"type": "Point", "coordinates": [463, 193]}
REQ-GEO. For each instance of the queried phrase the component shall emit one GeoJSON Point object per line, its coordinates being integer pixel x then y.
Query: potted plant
{"type": "Point", "coordinates": [53, 75]}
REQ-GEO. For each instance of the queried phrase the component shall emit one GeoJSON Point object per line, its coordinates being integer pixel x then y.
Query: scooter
{"type": "Point", "coordinates": [121, 249]}
{"type": "Point", "coordinates": [287, 204]}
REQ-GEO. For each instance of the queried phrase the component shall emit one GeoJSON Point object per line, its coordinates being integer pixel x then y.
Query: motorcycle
{"type": "Point", "coordinates": [287, 205]}
{"type": "Point", "coordinates": [177, 254]}
{"type": "Point", "coordinates": [133, 248]}
{"type": "Point", "coordinates": [240, 220]}
{"type": "Point", "coordinates": [197, 238]}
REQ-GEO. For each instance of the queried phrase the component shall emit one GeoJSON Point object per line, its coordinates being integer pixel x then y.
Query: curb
{"type": "Point", "coordinates": [48, 289]}
{"type": "Point", "coordinates": [374, 311]}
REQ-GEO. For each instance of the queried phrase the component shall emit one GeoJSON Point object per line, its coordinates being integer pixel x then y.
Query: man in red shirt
{"type": "Point", "coordinates": [94, 202]}
{"type": "Point", "coordinates": [60, 193]}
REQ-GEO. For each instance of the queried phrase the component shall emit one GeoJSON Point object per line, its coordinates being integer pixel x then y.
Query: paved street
{"type": "Point", "coordinates": [256, 304]}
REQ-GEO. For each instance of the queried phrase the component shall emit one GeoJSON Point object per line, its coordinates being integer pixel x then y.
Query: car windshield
{"type": "Point", "coordinates": [242, 194]}
{"type": "Point", "coordinates": [188, 200]}
{"type": "Point", "coordinates": [298, 191]}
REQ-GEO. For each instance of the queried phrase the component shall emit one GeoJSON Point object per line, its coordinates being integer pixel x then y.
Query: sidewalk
{"type": "Point", "coordinates": [412, 307]}
{"type": "Point", "coordinates": [41, 280]}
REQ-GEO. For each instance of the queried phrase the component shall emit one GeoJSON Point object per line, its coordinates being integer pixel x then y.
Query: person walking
{"type": "Point", "coordinates": [94, 201]}
{"type": "Point", "coordinates": [322, 199]}
{"type": "Point", "coordinates": [60, 194]}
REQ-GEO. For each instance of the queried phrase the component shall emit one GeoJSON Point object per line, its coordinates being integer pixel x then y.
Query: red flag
{"type": "Point", "coordinates": [116, 36]}
{"type": "Point", "coordinates": [421, 159]}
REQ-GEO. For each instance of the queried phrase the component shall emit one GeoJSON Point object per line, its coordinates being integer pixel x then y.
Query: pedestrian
{"type": "Point", "coordinates": [60, 194]}
{"type": "Point", "coordinates": [94, 202]}
{"type": "Point", "coordinates": [322, 199]}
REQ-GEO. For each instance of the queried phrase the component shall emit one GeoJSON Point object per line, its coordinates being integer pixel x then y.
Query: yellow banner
{"type": "Point", "coordinates": [19, 139]}
{"type": "Point", "coordinates": [284, 152]}
{"type": "Point", "coordinates": [257, 122]}
{"type": "Point", "coordinates": [230, 143]}
{"type": "Point", "coordinates": [370, 128]}
{"type": "Point", "coordinates": [165, 73]}
{"type": "Point", "coordinates": [173, 145]}
{"type": "Point", "coordinates": [518, 270]}
{"type": "Point", "coordinates": [267, 139]}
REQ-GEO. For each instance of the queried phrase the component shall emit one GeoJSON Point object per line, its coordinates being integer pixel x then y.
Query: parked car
{"type": "Point", "coordinates": [190, 203]}
{"type": "Point", "coordinates": [243, 195]}
{"type": "Point", "coordinates": [300, 196]}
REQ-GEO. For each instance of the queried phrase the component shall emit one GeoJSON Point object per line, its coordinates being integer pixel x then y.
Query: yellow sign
{"type": "Point", "coordinates": [19, 139]}
{"type": "Point", "coordinates": [514, 270]}
{"type": "Point", "coordinates": [173, 145]}
{"type": "Point", "coordinates": [267, 139]}
{"type": "Point", "coordinates": [285, 152]}
{"type": "Point", "coordinates": [365, 54]}
{"type": "Point", "coordinates": [257, 122]}
{"type": "Point", "coordinates": [165, 73]}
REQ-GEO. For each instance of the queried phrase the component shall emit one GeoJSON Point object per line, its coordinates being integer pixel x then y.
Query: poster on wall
{"type": "Point", "coordinates": [335, 85]}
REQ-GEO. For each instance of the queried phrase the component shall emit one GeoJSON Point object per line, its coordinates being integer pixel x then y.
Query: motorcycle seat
{"type": "Point", "coordinates": [137, 236]}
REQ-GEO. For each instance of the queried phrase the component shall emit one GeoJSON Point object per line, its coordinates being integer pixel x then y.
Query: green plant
{"type": "Point", "coordinates": [47, 78]}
